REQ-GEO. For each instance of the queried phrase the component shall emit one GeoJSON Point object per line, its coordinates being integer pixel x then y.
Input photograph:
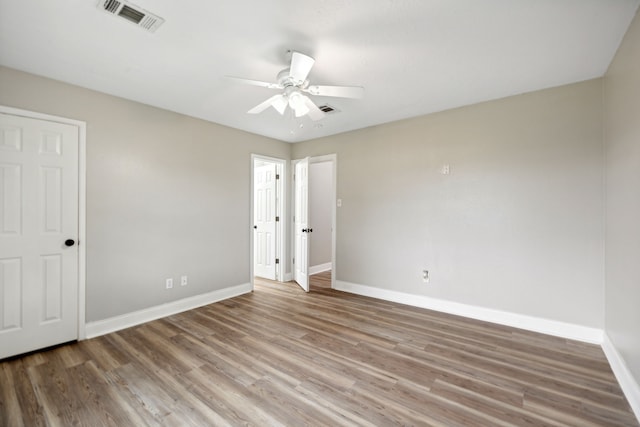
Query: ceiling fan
{"type": "Point", "coordinates": [293, 83]}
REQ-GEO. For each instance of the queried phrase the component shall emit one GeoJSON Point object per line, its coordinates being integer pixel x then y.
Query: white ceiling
{"type": "Point", "coordinates": [413, 57]}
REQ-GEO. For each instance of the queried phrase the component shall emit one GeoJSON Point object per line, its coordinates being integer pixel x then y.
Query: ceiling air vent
{"type": "Point", "coordinates": [328, 109]}
{"type": "Point", "coordinates": [131, 13]}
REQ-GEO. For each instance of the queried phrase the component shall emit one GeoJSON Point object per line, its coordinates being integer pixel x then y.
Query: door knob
{"type": "Point", "coordinates": [309, 230]}
{"type": "Point", "coordinates": [255, 226]}
{"type": "Point", "coordinates": [304, 230]}
{"type": "Point", "coordinates": [69, 242]}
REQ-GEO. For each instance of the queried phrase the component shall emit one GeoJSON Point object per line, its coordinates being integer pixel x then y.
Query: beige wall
{"type": "Point", "coordinates": [166, 195]}
{"type": "Point", "coordinates": [518, 223]}
{"type": "Point", "coordinates": [622, 141]}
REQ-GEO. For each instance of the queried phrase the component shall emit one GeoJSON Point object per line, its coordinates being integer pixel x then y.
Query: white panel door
{"type": "Point", "coordinates": [38, 233]}
{"type": "Point", "coordinates": [301, 224]}
{"type": "Point", "coordinates": [264, 217]}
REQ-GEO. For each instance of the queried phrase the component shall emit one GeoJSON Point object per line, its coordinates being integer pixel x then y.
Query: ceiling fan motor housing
{"type": "Point", "coordinates": [285, 79]}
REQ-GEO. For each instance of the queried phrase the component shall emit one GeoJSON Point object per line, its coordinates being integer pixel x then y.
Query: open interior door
{"type": "Point", "coordinates": [264, 217]}
{"type": "Point", "coordinates": [301, 224]}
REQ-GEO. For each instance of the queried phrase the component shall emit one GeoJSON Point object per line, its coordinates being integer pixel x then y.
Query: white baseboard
{"type": "Point", "coordinates": [320, 268]}
{"type": "Point", "coordinates": [530, 323]}
{"type": "Point", "coordinates": [628, 383]}
{"type": "Point", "coordinates": [102, 327]}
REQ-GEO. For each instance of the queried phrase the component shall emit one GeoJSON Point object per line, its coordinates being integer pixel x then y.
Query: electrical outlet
{"type": "Point", "coordinates": [183, 281]}
{"type": "Point", "coordinates": [425, 276]}
{"type": "Point", "coordinates": [169, 283]}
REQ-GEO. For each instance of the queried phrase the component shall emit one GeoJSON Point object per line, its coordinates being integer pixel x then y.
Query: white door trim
{"type": "Point", "coordinates": [82, 219]}
{"type": "Point", "coordinates": [281, 230]}
{"type": "Point", "coordinates": [333, 158]}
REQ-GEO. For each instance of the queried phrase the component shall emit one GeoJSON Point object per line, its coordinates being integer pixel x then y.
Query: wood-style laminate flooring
{"type": "Point", "coordinates": [279, 356]}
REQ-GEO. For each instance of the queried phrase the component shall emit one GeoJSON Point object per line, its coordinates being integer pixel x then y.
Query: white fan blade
{"type": "Point", "coordinates": [274, 100]}
{"type": "Point", "coordinates": [280, 104]}
{"type": "Point", "coordinates": [300, 66]}
{"type": "Point", "coordinates": [337, 91]}
{"type": "Point", "coordinates": [256, 82]}
{"type": "Point", "coordinates": [314, 112]}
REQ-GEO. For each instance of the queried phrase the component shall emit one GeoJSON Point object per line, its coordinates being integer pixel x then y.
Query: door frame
{"type": "Point", "coordinates": [82, 201]}
{"type": "Point", "coordinates": [333, 158]}
{"type": "Point", "coordinates": [281, 194]}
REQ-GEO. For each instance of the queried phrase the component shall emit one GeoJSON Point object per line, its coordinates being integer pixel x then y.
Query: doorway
{"type": "Point", "coordinates": [268, 217]}
{"type": "Point", "coordinates": [314, 222]}
{"type": "Point", "coordinates": [321, 216]}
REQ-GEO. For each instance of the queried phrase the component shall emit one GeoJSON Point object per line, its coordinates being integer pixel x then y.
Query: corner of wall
{"type": "Point", "coordinates": [628, 384]}
{"type": "Point", "coordinates": [113, 324]}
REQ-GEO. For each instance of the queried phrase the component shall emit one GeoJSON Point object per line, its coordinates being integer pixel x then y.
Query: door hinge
{"type": "Point", "coordinates": [277, 218]}
{"type": "Point", "coordinates": [293, 261]}
{"type": "Point", "coordinates": [277, 176]}
{"type": "Point", "coordinates": [277, 260]}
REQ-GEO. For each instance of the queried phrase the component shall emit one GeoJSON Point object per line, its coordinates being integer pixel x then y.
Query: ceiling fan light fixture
{"type": "Point", "coordinates": [302, 110]}
{"type": "Point", "coordinates": [295, 100]}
